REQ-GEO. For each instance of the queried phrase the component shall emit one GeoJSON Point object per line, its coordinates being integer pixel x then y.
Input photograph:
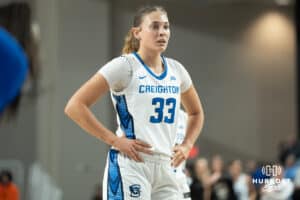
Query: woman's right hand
{"type": "Point", "coordinates": [132, 147]}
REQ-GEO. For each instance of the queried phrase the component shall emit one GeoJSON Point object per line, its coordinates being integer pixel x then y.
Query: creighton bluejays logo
{"type": "Point", "coordinates": [135, 190]}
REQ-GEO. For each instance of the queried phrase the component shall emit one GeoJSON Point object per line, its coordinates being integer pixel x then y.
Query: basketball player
{"type": "Point", "coordinates": [146, 89]}
{"type": "Point", "coordinates": [180, 170]}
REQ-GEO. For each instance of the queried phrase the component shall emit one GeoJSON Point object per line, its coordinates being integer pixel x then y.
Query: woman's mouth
{"type": "Point", "coordinates": [161, 42]}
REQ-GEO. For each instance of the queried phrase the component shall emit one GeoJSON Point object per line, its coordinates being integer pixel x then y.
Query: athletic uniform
{"type": "Point", "coordinates": [179, 171]}
{"type": "Point", "coordinates": [147, 105]}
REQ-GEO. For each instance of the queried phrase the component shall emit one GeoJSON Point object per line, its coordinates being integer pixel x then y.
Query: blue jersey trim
{"type": "Point", "coordinates": [160, 77]}
{"type": "Point", "coordinates": [126, 119]}
{"type": "Point", "coordinates": [115, 184]}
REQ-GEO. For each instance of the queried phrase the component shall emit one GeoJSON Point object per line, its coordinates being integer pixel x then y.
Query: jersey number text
{"type": "Point", "coordinates": [159, 104]}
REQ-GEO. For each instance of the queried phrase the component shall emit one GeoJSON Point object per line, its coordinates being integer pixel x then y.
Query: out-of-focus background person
{"type": "Point", "coordinates": [18, 54]}
{"type": "Point", "coordinates": [14, 69]}
{"type": "Point", "coordinates": [8, 189]}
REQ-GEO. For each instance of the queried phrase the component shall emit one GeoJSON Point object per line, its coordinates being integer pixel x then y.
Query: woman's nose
{"type": "Point", "coordinates": [162, 31]}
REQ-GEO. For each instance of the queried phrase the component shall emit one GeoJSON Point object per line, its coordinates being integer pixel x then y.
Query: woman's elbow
{"type": "Point", "coordinates": [70, 108]}
{"type": "Point", "coordinates": [200, 116]}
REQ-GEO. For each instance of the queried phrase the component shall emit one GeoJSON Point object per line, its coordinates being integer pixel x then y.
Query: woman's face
{"type": "Point", "coordinates": [217, 164]}
{"type": "Point", "coordinates": [154, 31]}
{"type": "Point", "coordinates": [236, 168]}
{"type": "Point", "coordinates": [201, 167]}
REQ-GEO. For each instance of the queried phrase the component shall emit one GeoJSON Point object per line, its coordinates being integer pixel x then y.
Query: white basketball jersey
{"type": "Point", "coordinates": [147, 108]}
{"type": "Point", "coordinates": [180, 135]}
{"type": "Point", "coordinates": [180, 175]}
{"type": "Point", "coordinates": [181, 126]}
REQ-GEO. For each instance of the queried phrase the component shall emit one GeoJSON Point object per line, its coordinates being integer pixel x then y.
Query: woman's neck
{"type": "Point", "coordinates": [152, 60]}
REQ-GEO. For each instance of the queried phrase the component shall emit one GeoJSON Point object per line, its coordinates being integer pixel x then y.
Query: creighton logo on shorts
{"type": "Point", "coordinates": [135, 190]}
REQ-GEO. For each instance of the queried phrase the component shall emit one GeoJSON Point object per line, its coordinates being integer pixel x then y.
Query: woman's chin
{"type": "Point", "coordinates": [162, 48]}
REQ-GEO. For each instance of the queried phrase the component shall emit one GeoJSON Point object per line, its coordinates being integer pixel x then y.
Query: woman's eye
{"type": "Point", "coordinates": [155, 26]}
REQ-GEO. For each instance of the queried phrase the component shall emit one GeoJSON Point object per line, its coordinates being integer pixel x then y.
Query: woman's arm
{"type": "Point", "coordinates": [193, 107]}
{"type": "Point", "coordinates": [78, 109]}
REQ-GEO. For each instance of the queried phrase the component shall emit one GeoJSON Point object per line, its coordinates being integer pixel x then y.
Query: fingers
{"type": "Point", "coordinates": [144, 150]}
{"type": "Point", "coordinates": [176, 148]}
{"type": "Point", "coordinates": [178, 157]}
{"type": "Point", "coordinates": [141, 148]}
{"type": "Point", "coordinates": [127, 147]}
{"type": "Point", "coordinates": [132, 148]}
{"type": "Point", "coordinates": [177, 161]}
{"type": "Point", "coordinates": [134, 155]}
{"type": "Point", "coordinates": [143, 144]}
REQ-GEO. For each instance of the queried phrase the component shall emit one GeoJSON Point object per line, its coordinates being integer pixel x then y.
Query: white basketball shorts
{"type": "Point", "coordinates": [153, 179]}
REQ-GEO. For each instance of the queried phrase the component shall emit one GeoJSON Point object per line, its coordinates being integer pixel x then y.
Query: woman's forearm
{"type": "Point", "coordinates": [82, 115]}
{"type": "Point", "coordinates": [194, 127]}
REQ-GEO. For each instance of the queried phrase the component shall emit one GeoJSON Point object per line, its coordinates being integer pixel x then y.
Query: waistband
{"type": "Point", "coordinates": [156, 158]}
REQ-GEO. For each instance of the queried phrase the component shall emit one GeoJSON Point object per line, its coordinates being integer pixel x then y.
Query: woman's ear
{"type": "Point", "coordinates": [136, 32]}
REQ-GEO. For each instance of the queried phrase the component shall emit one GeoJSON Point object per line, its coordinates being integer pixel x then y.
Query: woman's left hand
{"type": "Point", "coordinates": [181, 153]}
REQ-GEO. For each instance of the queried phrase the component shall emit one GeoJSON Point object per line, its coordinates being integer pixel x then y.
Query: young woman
{"type": "Point", "coordinates": [146, 90]}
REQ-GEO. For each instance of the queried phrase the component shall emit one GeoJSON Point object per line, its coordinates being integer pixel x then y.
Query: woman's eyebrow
{"type": "Point", "coordinates": [159, 22]}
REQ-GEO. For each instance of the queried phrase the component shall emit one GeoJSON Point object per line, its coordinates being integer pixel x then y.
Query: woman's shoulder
{"type": "Point", "coordinates": [173, 61]}
{"type": "Point", "coordinates": [120, 60]}
{"type": "Point", "coordinates": [124, 58]}
{"type": "Point", "coordinates": [127, 56]}
{"type": "Point", "coordinates": [174, 64]}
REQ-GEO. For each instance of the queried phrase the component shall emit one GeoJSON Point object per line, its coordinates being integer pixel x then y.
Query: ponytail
{"type": "Point", "coordinates": [131, 44]}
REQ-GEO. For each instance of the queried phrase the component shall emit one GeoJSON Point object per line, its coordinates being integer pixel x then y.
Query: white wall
{"type": "Point", "coordinates": [83, 47]}
{"type": "Point", "coordinates": [75, 44]}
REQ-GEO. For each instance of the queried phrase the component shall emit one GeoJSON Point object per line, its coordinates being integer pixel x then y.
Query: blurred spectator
{"type": "Point", "coordinates": [13, 68]}
{"type": "Point", "coordinates": [8, 190]}
{"type": "Point", "coordinates": [290, 167]}
{"type": "Point", "coordinates": [221, 185]}
{"type": "Point", "coordinates": [223, 189]}
{"type": "Point", "coordinates": [189, 171]}
{"type": "Point", "coordinates": [200, 187]}
{"type": "Point", "coordinates": [296, 194]}
{"type": "Point", "coordinates": [15, 18]}
{"type": "Point", "coordinates": [259, 175]}
{"type": "Point", "coordinates": [217, 168]}
{"type": "Point", "coordinates": [277, 188]}
{"type": "Point", "coordinates": [290, 146]}
{"type": "Point", "coordinates": [254, 172]}
{"type": "Point", "coordinates": [240, 180]}
{"type": "Point", "coordinates": [250, 167]}
{"type": "Point", "coordinates": [98, 193]}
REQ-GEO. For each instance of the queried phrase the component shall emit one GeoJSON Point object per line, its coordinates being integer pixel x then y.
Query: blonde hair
{"type": "Point", "coordinates": [131, 43]}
